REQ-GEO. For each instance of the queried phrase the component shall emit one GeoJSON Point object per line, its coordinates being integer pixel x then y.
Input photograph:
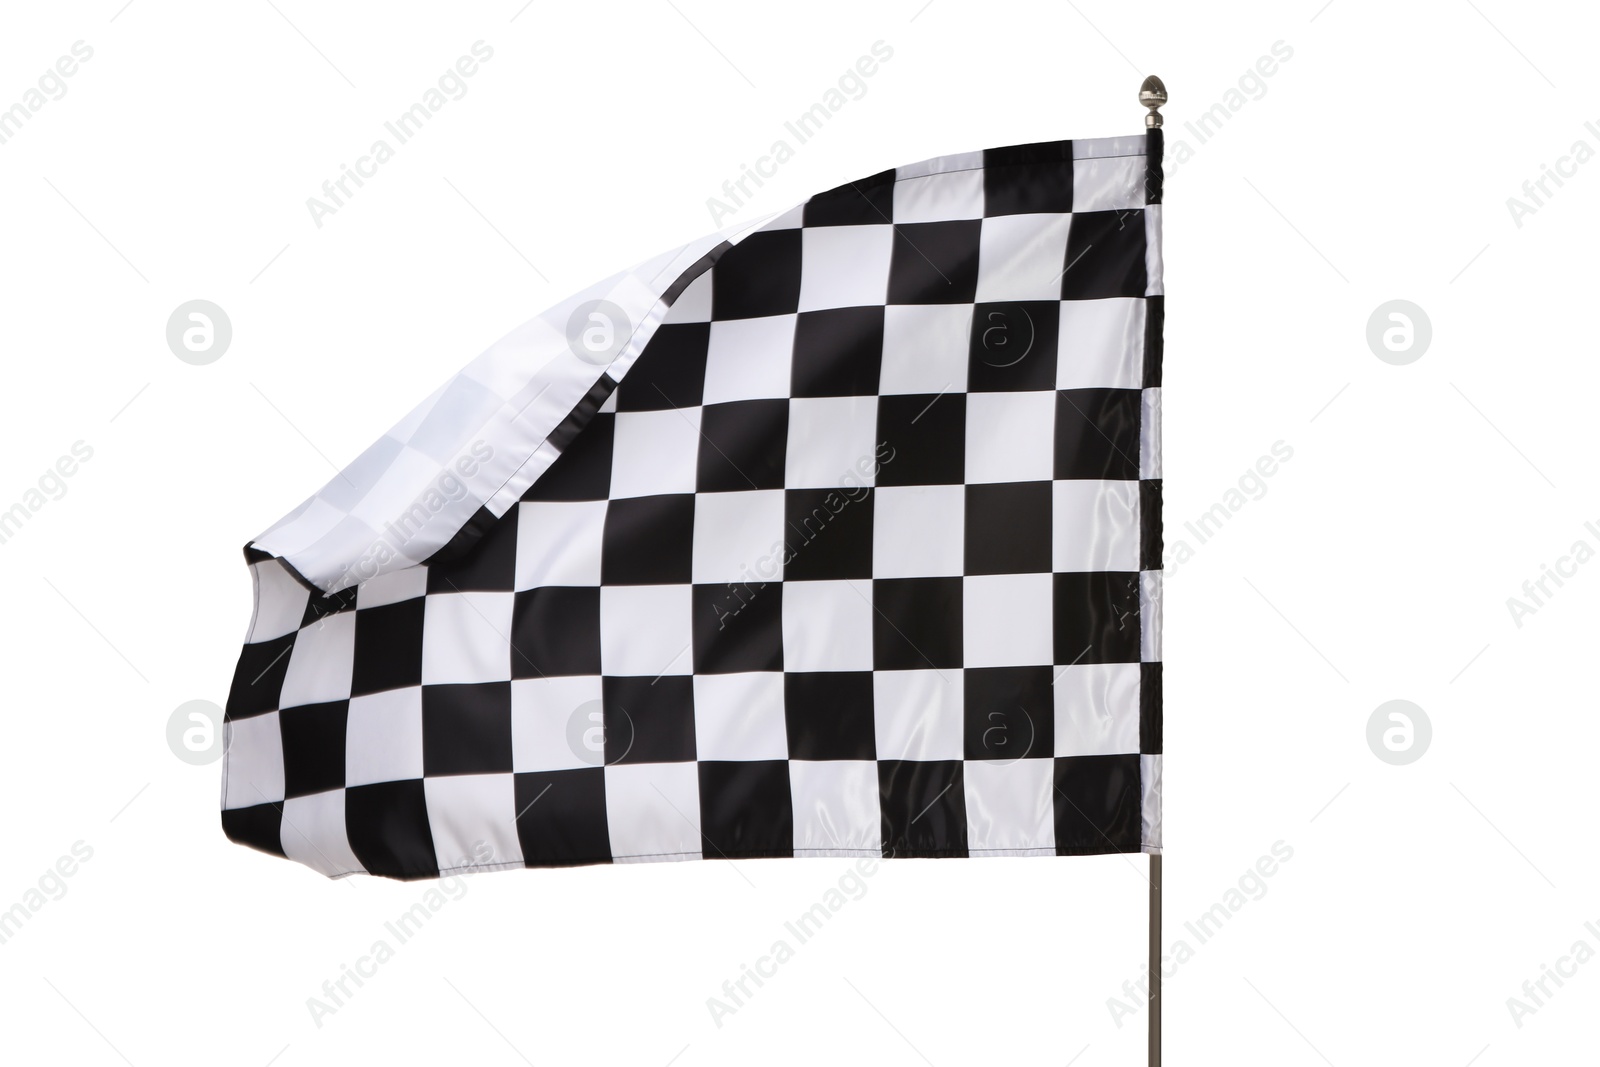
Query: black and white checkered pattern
{"type": "Point", "coordinates": [859, 555]}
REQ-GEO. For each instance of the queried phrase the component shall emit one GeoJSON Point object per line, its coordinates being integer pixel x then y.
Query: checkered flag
{"type": "Point", "coordinates": [838, 534]}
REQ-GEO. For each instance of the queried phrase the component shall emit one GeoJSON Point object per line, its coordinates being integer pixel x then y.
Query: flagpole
{"type": "Point", "coordinates": [1155, 960]}
{"type": "Point", "coordinates": [1152, 95]}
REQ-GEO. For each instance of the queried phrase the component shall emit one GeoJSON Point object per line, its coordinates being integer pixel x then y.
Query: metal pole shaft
{"type": "Point", "coordinates": [1155, 960]}
{"type": "Point", "coordinates": [1153, 95]}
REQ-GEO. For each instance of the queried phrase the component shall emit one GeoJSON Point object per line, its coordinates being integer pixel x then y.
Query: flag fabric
{"type": "Point", "coordinates": [834, 534]}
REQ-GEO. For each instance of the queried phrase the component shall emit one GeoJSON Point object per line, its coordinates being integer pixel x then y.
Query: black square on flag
{"type": "Point", "coordinates": [935, 262]}
{"type": "Point", "coordinates": [923, 805]}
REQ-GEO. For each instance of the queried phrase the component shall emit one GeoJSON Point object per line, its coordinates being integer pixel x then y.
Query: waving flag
{"type": "Point", "coordinates": [836, 534]}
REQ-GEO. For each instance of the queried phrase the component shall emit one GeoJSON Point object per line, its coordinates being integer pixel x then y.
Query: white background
{"type": "Point", "coordinates": [1373, 164]}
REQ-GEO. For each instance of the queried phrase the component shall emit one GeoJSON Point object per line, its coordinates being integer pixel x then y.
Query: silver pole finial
{"type": "Point", "coordinates": [1152, 94]}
